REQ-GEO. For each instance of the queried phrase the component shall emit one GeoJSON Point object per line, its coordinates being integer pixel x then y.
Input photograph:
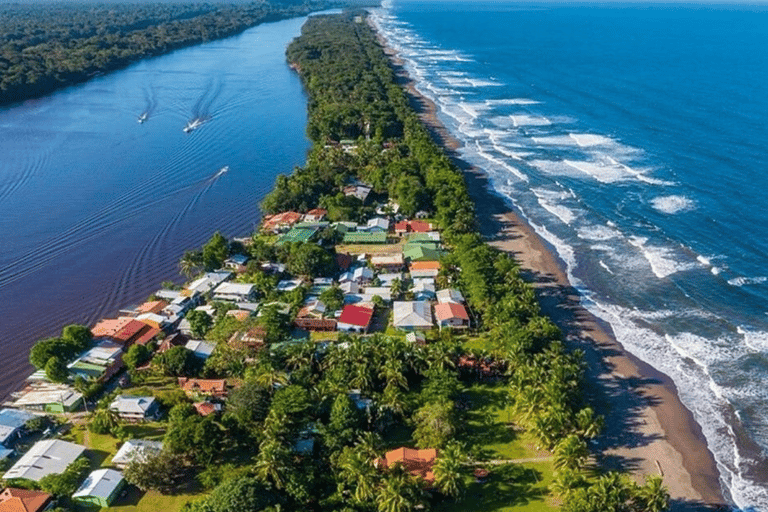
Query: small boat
{"type": "Point", "coordinates": [222, 171]}
{"type": "Point", "coordinates": [192, 125]}
{"type": "Point", "coordinates": [143, 117]}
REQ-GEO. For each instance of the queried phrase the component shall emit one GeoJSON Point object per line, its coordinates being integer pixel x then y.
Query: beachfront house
{"type": "Point", "coordinates": [135, 408]}
{"type": "Point", "coordinates": [412, 315]}
{"type": "Point", "coordinates": [48, 457]}
{"type": "Point", "coordinates": [100, 488]}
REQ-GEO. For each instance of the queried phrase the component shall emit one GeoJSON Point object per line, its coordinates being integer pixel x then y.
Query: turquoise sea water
{"type": "Point", "coordinates": [634, 138]}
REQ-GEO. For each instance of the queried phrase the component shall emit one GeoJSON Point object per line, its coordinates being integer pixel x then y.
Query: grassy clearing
{"type": "Point", "coordinates": [490, 435]}
{"type": "Point", "coordinates": [373, 249]}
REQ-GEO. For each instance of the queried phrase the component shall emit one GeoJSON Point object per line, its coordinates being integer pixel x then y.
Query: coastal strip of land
{"type": "Point", "coordinates": [648, 429]}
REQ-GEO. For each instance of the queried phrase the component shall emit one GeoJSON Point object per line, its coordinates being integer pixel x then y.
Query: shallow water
{"type": "Point", "coordinates": [633, 138]}
{"type": "Point", "coordinates": [96, 208]}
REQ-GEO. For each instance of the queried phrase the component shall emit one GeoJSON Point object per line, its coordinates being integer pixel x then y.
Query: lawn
{"type": "Point", "coordinates": [490, 434]}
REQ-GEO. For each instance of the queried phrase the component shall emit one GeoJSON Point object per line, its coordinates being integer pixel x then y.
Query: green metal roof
{"type": "Point", "coordinates": [421, 253]}
{"type": "Point", "coordinates": [297, 235]}
{"type": "Point", "coordinates": [365, 238]}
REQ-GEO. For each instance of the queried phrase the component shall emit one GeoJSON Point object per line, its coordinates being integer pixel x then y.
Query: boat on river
{"type": "Point", "coordinates": [193, 124]}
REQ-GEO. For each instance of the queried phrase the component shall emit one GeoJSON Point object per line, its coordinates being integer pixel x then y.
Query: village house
{"type": "Point", "coordinates": [412, 226]}
{"type": "Point", "coordinates": [153, 306]}
{"type": "Point", "coordinates": [13, 425]}
{"type": "Point", "coordinates": [235, 292]}
{"type": "Point", "coordinates": [423, 288]}
{"type": "Point", "coordinates": [369, 292]}
{"type": "Point", "coordinates": [449, 295]}
{"type": "Point", "coordinates": [412, 315]}
{"type": "Point", "coordinates": [252, 339]}
{"type": "Point", "coordinates": [207, 408]}
{"type": "Point", "coordinates": [288, 285]}
{"type": "Point", "coordinates": [24, 500]}
{"type": "Point", "coordinates": [135, 408]}
{"type": "Point", "coordinates": [100, 362]}
{"type": "Point", "coordinates": [47, 457]}
{"type": "Point", "coordinates": [424, 269]}
{"type": "Point", "coordinates": [47, 397]}
{"type": "Point", "coordinates": [419, 463]}
{"type": "Point", "coordinates": [355, 318]}
{"type": "Point", "coordinates": [315, 215]}
{"type": "Point", "coordinates": [377, 225]}
{"type": "Point", "coordinates": [419, 252]}
{"type": "Point", "coordinates": [100, 488]}
{"type": "Point", "coordinates": [450, 314]}
{"type": "Point", "coordinates": [359, 191]}
{"type": "Point", "coordinates": [388, 263]}
{"type": "Point", "coordinates": [388, 278]}
{"type": "Point", "coordinates": [135, 449]}
{"type": "Point", "coordinates": [349, 287]}
{"type": "Point", "coordinates": [208, 282]}
{"type": "Point", "coordinates": [216, 388]}
{"type": "Point", "coordinates": [280, 221]}
{"type": "Point", "coordinates": [200, 348]}
{"type": "Point", "coordinates": [360, 275]}
{"type": "Point", "coordinates": [236, 262]}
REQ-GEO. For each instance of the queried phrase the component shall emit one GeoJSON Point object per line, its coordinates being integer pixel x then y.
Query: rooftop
{"type": "Point", "coordinates": [101, 483]}
{"type": "Point", "coordinates": [48, 457]}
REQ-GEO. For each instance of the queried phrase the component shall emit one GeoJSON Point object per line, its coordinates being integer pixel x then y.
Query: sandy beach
{"type": "Point", "coordinates": [648, 429]}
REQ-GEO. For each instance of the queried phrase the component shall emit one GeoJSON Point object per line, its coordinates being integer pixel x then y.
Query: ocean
{"type": "Point", "coordinates": [634, 139]}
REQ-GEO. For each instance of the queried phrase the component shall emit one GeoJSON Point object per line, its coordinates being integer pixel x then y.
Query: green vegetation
{"type": "Point", "coordinates": [43, 49]}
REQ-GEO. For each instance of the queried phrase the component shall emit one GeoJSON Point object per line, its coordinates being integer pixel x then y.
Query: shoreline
{"type": "Point", "coordinates": [648, 429]}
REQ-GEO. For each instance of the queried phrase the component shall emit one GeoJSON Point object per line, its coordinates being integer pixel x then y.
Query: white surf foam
{"type": "Point", "coordinates": [586, 140]}
{"type": "Point", "coordinates": [554, 140]}
{"type": "Point", "coordinates": [513, 101]}
{"type": "Point", "coordinates": [529, 120]}
{"type": "Point", "coordinates": [552, 202]}
{"type": "Point", "coordinates": [756, 340]}
{"type": "Point", "coordinates": [672, 204]}
{"type": "Point", "coordinates": [598, 170]}
{"type": "Point", "coordinates": [744, 281]}
{"type": "Point", "coordinates": [500, 163]}
{"type": "Point", "coordinates": [661, 259]}
{"type": "Point", "coordinates": [597, 232]}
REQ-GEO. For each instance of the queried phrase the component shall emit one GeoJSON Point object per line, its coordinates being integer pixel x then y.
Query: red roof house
{"type": "Point", "coordinates": [280, 221]}
{"type": "Point", "coordinates": [451, 314]}
{"type": "Point", "coordinates": [412, 226]}
{"type": "Point", "coordinates": [355, 318]}
{"type": "Point", "coordinates": [206, 408]}
{"type": "Point", "coordinates": [315, 215]}
{"type": "Point", "coordinates": [210, 387]}
{"type": "Point", "coordinates": [23, 500]}
{"type": "Point", "coordinates": [416, 462]}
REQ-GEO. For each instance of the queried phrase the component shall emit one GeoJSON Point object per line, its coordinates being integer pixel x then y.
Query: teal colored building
{"type": "Point", "coordinates": [101, 488]}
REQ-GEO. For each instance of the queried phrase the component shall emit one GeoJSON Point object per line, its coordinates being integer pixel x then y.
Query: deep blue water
{"type": "Point", "coordinates": [634, 138]}
{"type": "Point", "coordinates": [96, 208]}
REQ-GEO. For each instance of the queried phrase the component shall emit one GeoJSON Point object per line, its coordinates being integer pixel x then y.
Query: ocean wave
{"type": "Point", "coordinates": [587, 140]}
{"type": "Point", "coordinates": [661, 259]}
{"type": "Point", "coordinates": [513, 101]}
{"type": "Point", "coordinates": [672, 204]}
{"type": "Point", "coordinates": [529, 120]}
{"type": "Point", "coordinates": [744, 281]}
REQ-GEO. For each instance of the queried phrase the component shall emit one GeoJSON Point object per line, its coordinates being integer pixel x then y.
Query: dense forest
{"type": "Point", "coordinates": [44, 47]}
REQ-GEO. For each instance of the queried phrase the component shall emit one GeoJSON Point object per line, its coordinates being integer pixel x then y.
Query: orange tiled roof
{"type": "Point", "coordinates": [417, 462]}
{"type": "Point", "coordinates": [207, 386]}
{"type": "Point", "coordinates": [110, 326]}
{"type": "Point", "coordinates": [425, 265]}
{"type": "Point", "coordinates": [284, 218]}
{"type": "Point", "coordinates": [413, 226]}
{"type": "Point", "coordinates": [205, 408]}
{"type": "Point", "coordinates": [450, 310]}
{"type": "Point", "coordinates": [154, 306]}
{"type": "Point", "coordinates": [240, 314]}
{"type": "Point", "coordinates": [23, 500]}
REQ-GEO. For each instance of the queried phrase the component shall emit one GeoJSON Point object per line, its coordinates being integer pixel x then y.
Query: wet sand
{"type": "Point", "coordinates": [648, 429]}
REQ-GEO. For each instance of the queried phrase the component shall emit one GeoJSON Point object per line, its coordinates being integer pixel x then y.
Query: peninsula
{"type": "Point", "coordinates": [376, 345]}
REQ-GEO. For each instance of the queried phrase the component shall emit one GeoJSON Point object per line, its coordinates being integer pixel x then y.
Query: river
{"type": "Point", "coordinates": [96, 208]}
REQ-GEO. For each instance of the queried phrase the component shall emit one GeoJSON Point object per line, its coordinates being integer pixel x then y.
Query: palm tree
{"type": "Point", "coordinates": [588, 424]}
{"type": "Point", "coordinates": [399, 492]}
{"type": "Point", "coordinates": [358, 470]}
{"type": "Point", "coordinates": [571, 453]}
{"type": "Point", "coordinates": [653, 496]}
{"type": "Point", "coordinates": [272, 463]}
{"type": "Point", "coordinates": [392, 373]}
{"type": "Point", "coordinates": [191, 263]}
{"type": "Point", "coordinates": [268, 377]}
{"type": "Point", "coordinates": [565, 481]}
{"type": "Point", "coordinates": [449, 478]}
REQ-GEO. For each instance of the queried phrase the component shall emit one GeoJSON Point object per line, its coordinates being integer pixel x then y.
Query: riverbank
{"type": "Point", "coordinates": [648, 429]}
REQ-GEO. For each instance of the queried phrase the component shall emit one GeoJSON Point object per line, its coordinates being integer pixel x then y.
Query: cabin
{"type": "Point", "coordinates": [419, 463]}
{"type": "Point", "coordinates": [100, 488]}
